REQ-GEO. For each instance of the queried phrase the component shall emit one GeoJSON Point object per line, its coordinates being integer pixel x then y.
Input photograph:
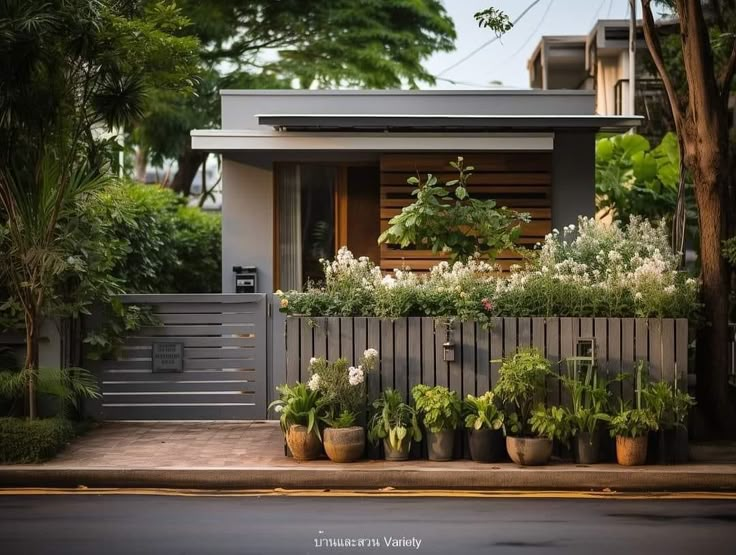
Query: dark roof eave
{"type": "Point", "coordinates": [367, 123]}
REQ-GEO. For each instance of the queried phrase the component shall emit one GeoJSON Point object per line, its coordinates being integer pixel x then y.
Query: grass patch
{"type": "Point", "coordinates": [24, 441]}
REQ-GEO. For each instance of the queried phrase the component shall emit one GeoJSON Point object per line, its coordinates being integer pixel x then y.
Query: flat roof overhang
{"type": "Point", "coordinates": [222, 140]}
{"type": "Point", "coordinates": [444, 123]}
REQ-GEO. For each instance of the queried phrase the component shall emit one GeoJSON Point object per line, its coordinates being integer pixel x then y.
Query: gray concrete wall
{"type": "Point", "coordinates": [573, 177]}
{"type": "Point", "coordinates": [239, 108]}
{"type": "Point", "coordinates": [247, 223]}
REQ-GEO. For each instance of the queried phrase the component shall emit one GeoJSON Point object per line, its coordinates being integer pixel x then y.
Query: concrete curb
{"type": "Point", "coordinates": [505, 476]}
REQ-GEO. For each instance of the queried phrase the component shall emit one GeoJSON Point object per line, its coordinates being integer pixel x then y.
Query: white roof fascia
{"type": "Point", "coordinates": [216, 140]}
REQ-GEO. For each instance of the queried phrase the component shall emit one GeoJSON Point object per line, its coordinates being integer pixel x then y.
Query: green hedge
{"type": "Point", "coordinates": [25, 441]}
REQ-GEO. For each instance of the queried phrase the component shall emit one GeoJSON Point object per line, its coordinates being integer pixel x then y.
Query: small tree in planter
{"type": "Point", "coordinates": [522, 380]}
{"type": "Point", "coordinates": [394, 422]}
{"type": "Point", "coordinates": [440, 411]}
{"type": "Point", "coordinates": [343, 391]}
{"type": "Point", "coordinates": [484, 422]}
{"type": "Point", "coordinates": [300, 408]}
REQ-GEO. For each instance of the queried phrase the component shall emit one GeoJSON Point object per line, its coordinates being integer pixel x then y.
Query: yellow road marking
{"type": "Point", "coordinates": [385, 492]}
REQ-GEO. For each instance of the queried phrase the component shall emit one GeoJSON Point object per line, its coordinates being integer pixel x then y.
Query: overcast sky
{"type": "Point", "coordinates": [505, 59]}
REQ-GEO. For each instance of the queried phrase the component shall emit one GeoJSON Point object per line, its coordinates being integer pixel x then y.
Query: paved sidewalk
{"type": "Point", "coordinates": [249, 455]}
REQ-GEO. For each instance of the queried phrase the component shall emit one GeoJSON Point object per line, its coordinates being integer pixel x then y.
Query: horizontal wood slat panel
{"type": "Point", "coordinates": [518, 180]}
{"type": "Point", "coordinates": [481, 161]}
{"type": "Point", "coordinates": [495, 178]}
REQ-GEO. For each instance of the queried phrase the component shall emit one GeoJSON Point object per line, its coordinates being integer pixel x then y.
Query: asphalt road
{"type": "Point", "coordinates": [107, 525]}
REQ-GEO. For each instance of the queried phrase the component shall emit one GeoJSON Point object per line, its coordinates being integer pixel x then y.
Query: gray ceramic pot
{"type": "Point", "coordinates": [587, 447]}
{"type": "Point", "coordinates": [486, 445]}
{"type": "Point", "coordinates": [440, 445]}
{"type": "Point", "coordinates": [529, 451]}
{"type": "Point", "coordinates": [392, 454]}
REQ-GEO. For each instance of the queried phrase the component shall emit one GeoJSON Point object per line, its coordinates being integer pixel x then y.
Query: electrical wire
{"type": "Point", "coordinates": [487, 43]}
{"type": "Point", "coordinates": [532, 34]}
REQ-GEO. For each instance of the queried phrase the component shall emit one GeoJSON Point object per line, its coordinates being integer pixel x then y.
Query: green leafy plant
{"type": "Point", "coordinates": [481, 412]}
{"type": "Point", "coordinates": [25, 441]}
{"type": "Point", "coordinates": [668, 404]}
{"type": "Point", "coordinates": [70, 385]}
{"type": "Point", "coordinates": [393, 420]}
{"type": "Point", "coordinates": [552, 423]}
{"type": "Point", "coordinates": [345, 419]}
{"type": "Point", "coordinates": [300, 406]}
{"type": "Point", "coordinates": [589, 397]}
{"type": "Point", "coordinates": [445, 219]}
{"type": "Point", "coordinates": [439, 407]}
{"type": "Point", "coordinates": [522, 379]}
{"type": "Point", "coordinates": [628, 422]}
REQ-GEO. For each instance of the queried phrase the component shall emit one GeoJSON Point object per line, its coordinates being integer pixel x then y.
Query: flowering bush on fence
{"type": "Point", "coordinates": [592, 269]}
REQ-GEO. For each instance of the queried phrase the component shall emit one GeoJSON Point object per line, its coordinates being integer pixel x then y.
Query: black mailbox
{"type": "Point", "coordinates": [246, 279]}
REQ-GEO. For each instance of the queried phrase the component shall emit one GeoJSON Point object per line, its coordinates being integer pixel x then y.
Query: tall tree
{"type": "Point", "coordinates": [701, 121]}
{"type": "Point", "coordinates": [73, 72]}
{"type": "Point", "coordinates": [292, 43]}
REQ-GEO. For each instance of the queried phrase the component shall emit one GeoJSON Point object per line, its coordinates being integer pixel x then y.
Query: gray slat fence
{"type": "Point", "coordinates": [224, 339]}
{"type": "Point", "coordinates": [411, 349]}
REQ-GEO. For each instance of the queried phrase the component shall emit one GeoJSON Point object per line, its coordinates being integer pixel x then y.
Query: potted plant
{"type": "Point", "coordinates": [343, 391]}
{"type": "Point", "coordinates": [394, 422]}
{"type": "Point", "coordinates": [670, 407]}
{"type": "Point", "coordinates": [589, 407]}
{"type": "Point", "coordinates": [440, 411]}
{"type": "Point", "coordinates": [522, 382]}
{"type": "Point", "coordinates": [484, 422]}
{"type": "Point", "coordinates": [300, 409]}
{"type": "Point", "coordinates": [631, 427]}
{"type": "Point", "coordinates": [552, 423]}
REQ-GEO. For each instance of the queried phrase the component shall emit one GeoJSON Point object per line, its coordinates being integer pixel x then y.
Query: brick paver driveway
{"type": "Point", "coordinates": [175, 444]}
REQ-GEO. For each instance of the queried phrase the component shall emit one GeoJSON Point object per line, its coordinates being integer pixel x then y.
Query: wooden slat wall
{"type": "Point", "coordinates": [225, 355]}
{"type": "Point", "coordinates": [518, 180]}
{"type": "Point", "coordinates": [411, 349]}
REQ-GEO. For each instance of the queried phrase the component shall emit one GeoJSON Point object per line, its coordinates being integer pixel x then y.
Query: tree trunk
{"type": "Point", "coordinates": [141, 164]}
{"type": "Point", "coordinates": [712, 365]}
{"type": "Point", "coordinates": [189, 162]}
{"type": "Point", "coordinates": [30, 364]}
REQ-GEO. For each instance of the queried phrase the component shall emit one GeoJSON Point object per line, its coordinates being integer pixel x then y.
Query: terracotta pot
{"type": "Point", "coordinates": [440, 445]}
{"type": "Point", "coordinates": [486, 445]}
{"type": "Point", "coordinates": [586, 448]}
{"type": "Point", "coordinates": [631, 451]}
{"type": "Point", "coordinates": [304, 446]}
{"type": "Point", "coordinates": [401, 454]}
{"type": "Point", "coordinates": [529, 451]}
{"type": "Point", "coordinates": [344, 445]}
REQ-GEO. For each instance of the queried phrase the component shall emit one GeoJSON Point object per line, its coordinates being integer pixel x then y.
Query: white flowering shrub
{"type": "Point", "coordinates": [592, 269]}
{"type": "Point", "coordinates": [342, 386]}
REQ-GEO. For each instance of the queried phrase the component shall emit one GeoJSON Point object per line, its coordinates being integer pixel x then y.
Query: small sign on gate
{"type": "Point", "coordinates": [168, 357]}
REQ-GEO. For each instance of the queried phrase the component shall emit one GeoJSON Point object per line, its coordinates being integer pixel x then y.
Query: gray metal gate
{"type": "Point", "coordinates": [206, 360]}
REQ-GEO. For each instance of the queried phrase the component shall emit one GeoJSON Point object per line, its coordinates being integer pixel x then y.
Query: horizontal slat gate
{"type": "Point", "coordinates": [411, 349]}
{"type": "Point", "coordinates": [224, 361]}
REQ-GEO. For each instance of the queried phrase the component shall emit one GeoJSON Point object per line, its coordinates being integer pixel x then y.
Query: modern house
{"type": "Point", "coordinates": [599, 62]}
{"type": "Point", "coordinates": [307, 171]}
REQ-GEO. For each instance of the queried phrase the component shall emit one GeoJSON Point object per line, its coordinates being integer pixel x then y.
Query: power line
{"type": "Point", "coordinates": [482, 46]}
{"type": "Point", "coordinates": [610, 7]}
{"type": "Point", "coordinates": [597, 13]}
{"type": "Point", "coordinates": [533, 33]}
{"type": "Point", "coordinates": [478, 85]}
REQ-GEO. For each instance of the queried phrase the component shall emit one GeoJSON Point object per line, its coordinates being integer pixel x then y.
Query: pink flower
{"type": "Point", "coordinates": [487, 305]}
